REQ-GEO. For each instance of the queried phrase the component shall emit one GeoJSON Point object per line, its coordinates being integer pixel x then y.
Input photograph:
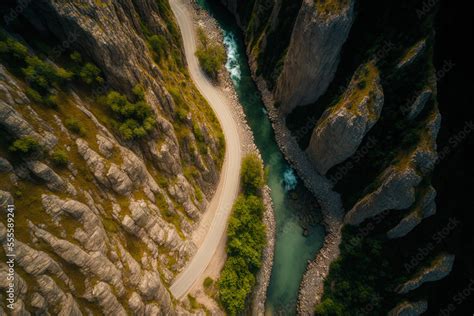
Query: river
{"type": "Point", "coordinates": [299, 234]}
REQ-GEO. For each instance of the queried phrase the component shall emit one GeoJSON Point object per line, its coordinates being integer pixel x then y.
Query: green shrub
{"type": "Point", "coordinates": [12, 50]}
{"type": "Point", "coordinates": [59, 158]}
{"type": "Point", "coordinates": [91, 74]}
{"type": "Point", "coordinates": [159, 46]}
{"type": "Point", "coordinates": [329, 308]}
{"type": "Point", "coordinates": [139, 92]}
{"type": "Point", "coordinates": [34, 95]}
{"type": "Point", "coordinates": [76, 57]}
{"type": "Point", "coordinates": [208, 282]}
{"type": "Point", "coordinates": [25, 146]}
{"type": "Point", "coordinates": [87, 72]}
{"type": "Point", "coordinates": [252, 174]}
{"type": "Point", "coordinates": [74, 126]}
{"type": "Point", "coordinates": [42, 75]}
{"type": "Point", "coordinates": [193, 302]}
{"type": "Point", "coordinates": [134, 120]}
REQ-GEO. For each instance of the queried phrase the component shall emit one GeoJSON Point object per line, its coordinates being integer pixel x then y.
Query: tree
{"type": "Point", "coordinates": [252, 175]}
{"type": "Point", "coordinates": [59, 158]}
{"type": "Point", "coordinates": [329, 308]}
{"type": "Point", "coordinates": [25, 146]}
{"type": "Point", "coordinates": [90, 74]}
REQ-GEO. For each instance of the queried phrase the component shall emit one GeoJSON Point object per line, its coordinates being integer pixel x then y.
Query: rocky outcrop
{"type": "Point", "coordinates": [341, 128]}
{"type": "Point", "coordinates": [394, 189]}
{"type": "Point", "coordinates": [53, 181]}
{"type": "Point", "coordinates": [54, 295]}
{"type": "Point", "coordinates": [395, 192]}
{"type": "Point", "coordinates": [10, 119]}
{"type": "Point", "coordinates": [313, 54]}
{"type": "Point", "coordinates": [409, 309]}
{"type": "Point", "coordinates": [438, 269]}
{"type": "Point", "coordinates": [412, 54]}
{"type": "Point", "coordinates": [103, 295]}
{"type": "Point", "coordinates": [424, 207]}
{"type": "Point", "coordinates": [418, 105]}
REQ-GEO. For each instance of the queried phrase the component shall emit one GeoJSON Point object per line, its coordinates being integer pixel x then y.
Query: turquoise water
{"type": "Point", "coordinates": [292, 249]}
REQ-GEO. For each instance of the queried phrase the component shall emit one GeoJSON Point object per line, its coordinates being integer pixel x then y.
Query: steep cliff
{"type": "Point", "coordinates": [372, 133]}
{"type": "Point", "coordinates": [108, 154]}
{"type": "Point", "coordinates": [294, 45]}
{"type": "Point", "coordinates": [341, 128]}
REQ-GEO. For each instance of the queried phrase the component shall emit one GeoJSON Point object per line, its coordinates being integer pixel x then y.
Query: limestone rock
{"type": "Point", "coordinates": [19, 309]}
{"type": "Point", "coordinates": [95, 262]}
{"type": "Point", "coordinates": [313, 55]}
{"type": "Point", "coordinates": [412, 54]}
{"type": "Point", "coordinates": [438, 269]}
{"type": "Point", "coordinates": [106, 146]}
{"type": "Point", "coordinates": [423, 208]}
{"type": "Point", "coordinates": [119, 180]}
{"type": "Point", "coordinates": [136, 304]}
{"type": "Point", "coordinates": [395, 192]}
{"type": "Point", "coordinates": [409, 309]}
{"type": "Point", "coordinates": [342, 127]}
{"type": "Point", "coordinates": [5, 198]}
{"type": "Point", "coordinates": [38, 302]}
{"type": "Point", "coordinates": [419, 103]}
{"type": "Point", "coordinates": [53, 181]}
{"type": "Point", "coordinates": [5, 166]}
{"type": "Point", "coordinates": [96, 238]}
{"type": "Point", "coordinates": [102, 293]}
{"type": "Point", "coordinates": [53, 294]}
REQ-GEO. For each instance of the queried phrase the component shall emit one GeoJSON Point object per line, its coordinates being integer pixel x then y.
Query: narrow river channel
{"type": "Point", "coordinates": [299, 233]}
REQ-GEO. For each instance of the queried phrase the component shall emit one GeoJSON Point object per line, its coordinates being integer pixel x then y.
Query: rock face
{"type": "Point", "coordinates": [395, 186]}
{"type": "Point", "coordinates": [419, 103]}
{"type": "Point", "coordinates": [313, 54]}
{"type": "Point", "coordinates": [295, 46]}
{"type": "Point", "coordinates": [342, 127]}
{"type": "Point", "coordinates": [424, 207]}
{"type": "Point", "coordinates": [112, 227]}
{"type": "Point", "coordinates": [409, 309]}
{"type": "Point", "coordinates": [412, 54]}
{"type": "Point", "coordinates": [396, 192]}
{"type": "Point", "coordinates": [439, 269]}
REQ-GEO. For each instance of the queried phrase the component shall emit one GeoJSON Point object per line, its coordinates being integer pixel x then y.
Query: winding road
{"type": "Point", "coordinates": [228, 187]}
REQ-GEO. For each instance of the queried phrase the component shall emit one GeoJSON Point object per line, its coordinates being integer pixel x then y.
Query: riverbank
{"type": "Point", "coordinates": [312, 285]}
{"type": "Point", "coordinates": [208, 24]}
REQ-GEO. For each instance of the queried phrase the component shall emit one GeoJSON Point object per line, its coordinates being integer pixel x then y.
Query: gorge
{"type": "Point", "coordinates": [226, 157]}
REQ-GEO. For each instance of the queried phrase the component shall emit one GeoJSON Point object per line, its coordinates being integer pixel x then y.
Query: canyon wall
{"type": "Point", "coordinates": [108, 153]}
{"type": "Point", "coordinates": [356, 85]}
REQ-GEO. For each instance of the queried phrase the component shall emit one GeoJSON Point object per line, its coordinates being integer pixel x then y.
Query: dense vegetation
{"type": "Point", "coordinates": [133, 120]}
{"type": "Point", "coordinates": [211, 56]}
{"type": "Point", "coordinates": [246, 239]}
{"type": "Point", "coordinates": [362, 263]}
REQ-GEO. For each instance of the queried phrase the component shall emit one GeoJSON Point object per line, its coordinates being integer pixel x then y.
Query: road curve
{"type": "Point", "coordinates": [228, 186]}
